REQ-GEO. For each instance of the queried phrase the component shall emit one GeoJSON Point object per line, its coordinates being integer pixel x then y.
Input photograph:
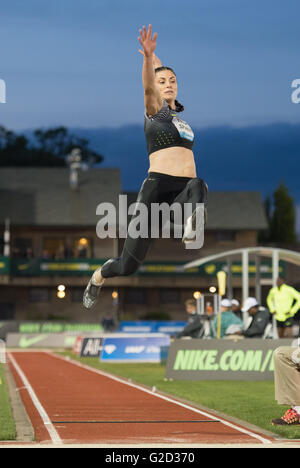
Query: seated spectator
{"type": "Point", "coordinates": [45, 255]}
{"type": "Point", "coordinates": [287, 384]}
{"type": "Point", "coordinates": [194, 326]}
{"type": "Point", "coordinates": [227, 319]}
{"type": "Point", "coordinates": [236, 308]}
{"type": "Point", "coordinates": [260, 318]}
{"type": "Point", "coordinates": [29, 253]}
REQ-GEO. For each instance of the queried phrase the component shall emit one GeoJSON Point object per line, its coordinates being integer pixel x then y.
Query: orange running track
{"type": "Point", "coordinates": [69, 403]}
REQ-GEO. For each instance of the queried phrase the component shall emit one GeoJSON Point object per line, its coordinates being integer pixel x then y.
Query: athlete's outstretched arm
{"type": "Point", "coordinates": [153, 101]}
{"type": "Point", "coordinates": [156, 62]}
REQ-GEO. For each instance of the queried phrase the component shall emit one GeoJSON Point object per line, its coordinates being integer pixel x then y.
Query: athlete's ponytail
{"type": "Point", "coordinates": [179, 107]}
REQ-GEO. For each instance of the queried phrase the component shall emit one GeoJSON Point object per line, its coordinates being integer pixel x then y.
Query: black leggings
{"type": "Point", "coordinates": [156, 188]}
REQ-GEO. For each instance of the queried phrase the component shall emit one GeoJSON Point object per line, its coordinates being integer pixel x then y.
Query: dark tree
{"type": "Point", "coordinates": [283, 221]}
{"type": "Point", "coordinates": [281, 216]}
{"type": "Point", "coordinates": [49, 149]}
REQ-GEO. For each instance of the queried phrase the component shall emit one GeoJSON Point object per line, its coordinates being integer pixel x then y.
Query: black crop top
{"type": "Point", "coordinates": [166, 129]}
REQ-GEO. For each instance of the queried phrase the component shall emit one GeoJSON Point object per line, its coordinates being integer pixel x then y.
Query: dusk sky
{"type": "Point", "coordinates": [76, 62]}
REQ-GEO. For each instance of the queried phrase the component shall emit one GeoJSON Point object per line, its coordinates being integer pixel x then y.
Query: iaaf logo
{"type": "Point", "coordinates": [295, 97]}
{"type": "Point", "coordinates": [152, 221]}
{"type": "Point", "coordinates": [141, 349]}
{"type": "Point", "coordinates": [134, 349]}
{"type": "Point", "coordinates": [92, 347]}
{"type": "Point", "coordinates": [109, 349]}
{"type": "Point", "coordinates": [2, 92]}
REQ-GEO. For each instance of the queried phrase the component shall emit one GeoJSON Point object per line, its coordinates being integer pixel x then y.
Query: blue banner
{"type": "Point", "coordinates": [135, 349]}
{"type": "Point", "coordinates": [167, 327]}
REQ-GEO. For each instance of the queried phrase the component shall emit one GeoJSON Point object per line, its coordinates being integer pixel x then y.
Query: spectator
{"type": "Point", "coordinates": [16, 252]}
{"type": "Point", "coordinates": [45, 255]}
{"type": "Point", "coordinates": [29, 253]}
{"type": "Point", "coordinates": [194, 326]}
{"type": "Point", "coordinates": [68, 252]}
{"type": "Point", "coordinates": [260, 318]}
{"type": "Point", "coordinates": [209, 308]}
{"type": "Point", "coordinates": [236, 308]}
{"type": "Point", "coordinates": [280, 302]}
{"type": "Point", "coordinates": [82, 251]}
{"type": "Point", "coordinates": [287, 384]}
{"type": "Point", "coordinates": [108, 323]}
{"type": "Point", "coordinates": [227, 323]}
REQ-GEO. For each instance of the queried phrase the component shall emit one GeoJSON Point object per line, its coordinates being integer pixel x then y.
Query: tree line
{"type": "Point", "coordinates": [281, 216]}
{"type": "Point", "coordinates": [49, 148]}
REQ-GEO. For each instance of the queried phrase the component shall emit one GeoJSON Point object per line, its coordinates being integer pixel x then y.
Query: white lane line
{"type": "Point", "coordinates": [46, 420]}
{"type": "Point", "coordinates": [163, 397]}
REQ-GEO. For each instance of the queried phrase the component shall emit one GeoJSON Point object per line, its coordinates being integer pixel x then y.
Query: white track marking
{"type": "Point", "coordinates": [163, 397]}
{"type": "Point", "coordinates": [46, 420]}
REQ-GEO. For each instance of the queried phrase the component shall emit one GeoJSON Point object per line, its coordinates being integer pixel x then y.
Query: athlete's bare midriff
{"type": "Point", "coordinates": [173, 161]}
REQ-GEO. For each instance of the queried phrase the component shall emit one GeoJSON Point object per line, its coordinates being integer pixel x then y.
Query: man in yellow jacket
{"type": "Point", "coordinates": [280, 302]}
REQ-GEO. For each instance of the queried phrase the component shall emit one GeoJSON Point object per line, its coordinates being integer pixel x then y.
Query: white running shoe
{"type": "Point", "coordinates": [189, 234]}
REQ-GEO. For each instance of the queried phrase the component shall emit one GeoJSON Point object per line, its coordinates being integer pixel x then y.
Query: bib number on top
{"type": "Point", "coordinates": [183, 128]}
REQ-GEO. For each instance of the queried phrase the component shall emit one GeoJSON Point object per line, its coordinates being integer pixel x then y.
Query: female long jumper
{"type": "Point", "coordinates": [172, 174]}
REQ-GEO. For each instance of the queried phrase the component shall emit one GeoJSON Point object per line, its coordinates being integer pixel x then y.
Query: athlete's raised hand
{"type": "Point", "coordinates": [147, 41]}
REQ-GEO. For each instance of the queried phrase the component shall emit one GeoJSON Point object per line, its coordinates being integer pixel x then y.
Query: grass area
{"type": "Point", "coordinates": [249, 401]}
{"type": "Point", "coordinates": [7, 424]}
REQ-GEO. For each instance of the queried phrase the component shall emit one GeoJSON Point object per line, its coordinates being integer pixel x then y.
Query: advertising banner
{"type": "Point", "coordinates": [166, 327]}
{"type": "Point", "coordinates": [136, 327]}
{"type": "Point", "coordinates": [40, 340]}
{"type": "Point", "coordinates": [77, 345]}
{"type": "Point", "coordinates": [135, 348]}
{"type": "Point", "coordinates": [4, 265]}
{"type": "Point", "coordinates": [244, 359]}
{"type": "Point", "coordinates": [209, 269]}
{"type": "Point", "coordinates": [85, 267]}
{"type": "Point", "coordinates": [58, 327]}
{"type": "Point", "coordinates": [91, 347]}
{"type": "Point", "coordinates": [14, 326]}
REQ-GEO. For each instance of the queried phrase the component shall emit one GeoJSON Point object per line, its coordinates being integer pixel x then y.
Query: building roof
{"type": "Point", "coordinates": [231, 210]}
{"type": "Point", "coordinates": [43, 196]}
{"type": "Point", "coordinates": [236, 210]}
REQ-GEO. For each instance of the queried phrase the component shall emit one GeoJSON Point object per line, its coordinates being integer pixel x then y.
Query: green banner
{"type": "Point", "coordinates": [51, 327]}
{"type": "Point", "coordinates": [14, 326]}
{"type": "Point", "coordinates": [210, 269]}
{"type": "Point", "coordinates": [44, 340]}
{"type": "Point", "coordinates": [82, 267]}
{"type": "Point", "coordinates": [70, 267]}
{"type": "Point", "coordinates": [227, 359]}
{"type": "Point", "coordinates": [4, 265]}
